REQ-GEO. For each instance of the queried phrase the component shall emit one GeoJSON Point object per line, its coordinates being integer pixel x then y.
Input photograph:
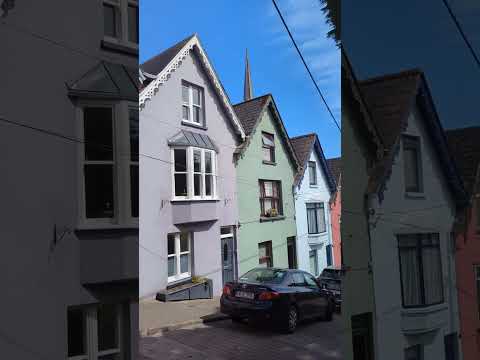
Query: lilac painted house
{"type": "Point", "coordinates": [188, 198]}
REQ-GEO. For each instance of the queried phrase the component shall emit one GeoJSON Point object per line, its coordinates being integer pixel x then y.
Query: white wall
{"type": "Point", "coordinates": [399, 214]}
{"type": "Point", "coordinates": [306, 193]}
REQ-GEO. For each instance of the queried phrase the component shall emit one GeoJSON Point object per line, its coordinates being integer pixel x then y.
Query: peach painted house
{"type": "Point", "coordinates": [464, 145]}
{"type": "Point", "coordinates": [336, 211]}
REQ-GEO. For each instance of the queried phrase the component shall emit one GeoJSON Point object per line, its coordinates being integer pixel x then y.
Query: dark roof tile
{"type": "Point", "coordinates": [335, 166]}
{"type": "Point", "coordinates": [249, 111]}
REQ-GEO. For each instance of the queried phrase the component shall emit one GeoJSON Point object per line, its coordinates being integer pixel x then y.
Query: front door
{"type": "Point", "coordinates": [292, 253]}
{"type": "Point", "coordinates": [228, 252]}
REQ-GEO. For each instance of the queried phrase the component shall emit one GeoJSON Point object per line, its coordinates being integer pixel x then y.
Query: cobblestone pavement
{"type": "Point", "coordinates": [226, 340]}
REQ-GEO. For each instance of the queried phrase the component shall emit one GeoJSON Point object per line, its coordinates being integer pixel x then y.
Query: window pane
{"type": "Point", "coordinates": [184, 263]}
{"type": "Point", "coordinates": [185, 112]}
{"type": "Point", "coordinates": [267, 139]}
{"type": "Point", "coordinates": [185, 94]}
{"type": "Point", "coordinates": [209, 185]}
{"type": "Point", "coordinates": [321, 218]}
{"type": "Point", "coordinates": [313, 262]}
{"type": "Point", "coordinates": [134, 134]}
{"type": "Point", "coordinates": [432, 275]}
{"type": "Point", "coordinates": [411, 170]}
{"type": "Point", "coordinates": [76, 332]}
{"type": "Point", "coordinates": [107, 315]}
{"type": "Point", "coordinates": [99, 191]}
{"type": "Point", "coordinates": [312, 219]}
{"type": "Point", "coordinates": [208, 162]}
{"type": "Point", "coordinates": [133, 23]}
{"type": "Point", "coordinates": [268, 186]}
{"type": "Point", "coordinates": [172, 266]}
{"type": "Point", "coordinates": [171, 244]}
{"type": "Point", "coordinates": [109, 21]}
{"type": "Point", "coordinates": [197, 161]}
{"type": "Point", "coordinates": [184, 242]}
{"type": "Point", "coordinates": [197, 114]}
{"type": "Point", "coordinates": [312, 171]}
{"type": "Point", "coordinates": [197, 184]}
{"type": "Point", "coordinates": [98, 133]}
{"type": "Point", "coordinates": [410, 277]}
{"type": "Point", "coordinates": [134, 189]}
{"type": "Point", "coordinates": [267, 203]}
{"type": "Point", "coordinates": [267, 154]}
{"type": "Point", "coordinates": [180, 156]}
{"type": "Point", "coordinates": [181, 185]}
{"type": "Point", "coordinates": [197, 94]}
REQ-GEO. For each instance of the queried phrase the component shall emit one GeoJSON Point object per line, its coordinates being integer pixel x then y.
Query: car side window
{"type": "Point", "coordinates": [310, 281]}
{"type": "Point", "coordinates": [298, 279]}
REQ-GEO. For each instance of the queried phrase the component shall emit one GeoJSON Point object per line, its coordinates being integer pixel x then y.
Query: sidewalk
{"type": "Point", "coordinates": [157, 316]}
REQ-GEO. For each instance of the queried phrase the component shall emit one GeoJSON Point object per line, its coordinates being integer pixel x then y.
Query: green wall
{"type": "Point", "coordinates": [249, 170]}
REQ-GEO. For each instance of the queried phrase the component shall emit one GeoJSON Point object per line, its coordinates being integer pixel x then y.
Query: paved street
{"type": "Point", "coordinates": [226, 340]}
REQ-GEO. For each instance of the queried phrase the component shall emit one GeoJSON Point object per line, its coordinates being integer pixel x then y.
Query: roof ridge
{"type": "Point", "coordinates": [463, 129]}
{"type": "Point", "coordinates": [255, 98]}
{"type": "Point", "coordinates": [302, 136]}
{"type": "Point", "coordinates": [401, 74]}
{"type": "Point", "coordinates": [188, 38]}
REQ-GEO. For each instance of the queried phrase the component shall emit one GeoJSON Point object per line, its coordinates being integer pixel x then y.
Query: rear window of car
{"type": "Point", "coordinates": [270, 276]}
{"type": "Point", "coordinates": [330, 273]}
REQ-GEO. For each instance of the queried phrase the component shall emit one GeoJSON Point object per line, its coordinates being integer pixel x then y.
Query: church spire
{"type": "Point", "coordinates": [247, 86]}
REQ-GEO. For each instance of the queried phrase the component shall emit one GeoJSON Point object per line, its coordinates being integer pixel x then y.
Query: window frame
{"type": "Point", "coordinates": [410, 142]}
{"type": "Point", "coordinates": [312, 164]}
{"type": "Point", "coordinates": [191, 105]}
{"type": "Point", "coordinates": [179, 276]}
{"type": "Point", "coordinates": [122, 22]}
{"type": "Point", "coordinates": [121, 170]}
{"type": "Point", "coordinates": [268, 252]}
{"type": "Point", "coordinates": [418, 249]}
{"type": "Point", "coordinates": [271, 148]}
{"type": "Point", "coordinates": [90, 320]}
{"type": "Point", "coordinates": [190, 174]}
{"type": "Point", "coordinates": [275, 199]}
{"type": "Point", "coordinates": [316, 207]}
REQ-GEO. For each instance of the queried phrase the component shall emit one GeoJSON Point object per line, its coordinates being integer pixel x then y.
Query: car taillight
{"type": "Point", "coordinates": [227, 290]}
{"type": "Point", "coordinates": [268, 295]}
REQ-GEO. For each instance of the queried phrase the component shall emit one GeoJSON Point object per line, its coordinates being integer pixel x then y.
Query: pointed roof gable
{"type": "Point", "coordinates": [250, 113]}
{"type": "Point", "coordinates": [160, 68]}
{"type": "Point", "coordinates": [464, 145]}
{"type": "Point", "coordinates": [303, 146]}
{"type": "Point", "coordinates": [391, 99]}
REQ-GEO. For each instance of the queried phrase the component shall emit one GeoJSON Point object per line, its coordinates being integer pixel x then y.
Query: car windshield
{"type": "Point", "coordinates": [271, 276]}
{"type": "Point", "coordinates": [332, 284]}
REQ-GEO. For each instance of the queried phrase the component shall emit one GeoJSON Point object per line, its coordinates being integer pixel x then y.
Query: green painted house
{"type": "Point", "coordinates": [266, 167]}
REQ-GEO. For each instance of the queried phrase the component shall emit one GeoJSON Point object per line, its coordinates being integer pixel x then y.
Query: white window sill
{"type": "Point", "coordinates": [193, 200]}
{"type": "Point", "coordinates": [194, 124]}
{"type": "Point", "coordinates": [172, 280]}
{"type": "Point", "coordinates": [414, 195]}
{"type": "Point", "coordinates": [117, 45]}
{"type": "Point", "coordinates": [105, 226]}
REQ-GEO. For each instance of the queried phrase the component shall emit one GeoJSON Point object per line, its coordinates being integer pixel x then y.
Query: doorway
{"type": "Point", "coordinates": [228, 251]}
{"type": "Point", "coordinates": [292, 253]}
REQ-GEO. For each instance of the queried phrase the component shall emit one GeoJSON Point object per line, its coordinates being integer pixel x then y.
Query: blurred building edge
{"type": "Point", "coordinates": [400, 196]}
{"type": "Point", "coordinates": [69, 249]}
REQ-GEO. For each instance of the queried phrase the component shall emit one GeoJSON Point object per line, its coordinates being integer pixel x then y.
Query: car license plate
{"type": "Point", "coordinates": [245, 295]}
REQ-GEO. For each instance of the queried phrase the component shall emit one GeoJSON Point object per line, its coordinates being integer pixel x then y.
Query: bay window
{"type": "Point", "coordinates": [94, 332]}
{"type": "Point", "coordinates": [420, 269]}
{"type": "Point", "coordinates": [108, 157]}
{"type": "Point", "coordinates": [194, 173]}
{"type": "Point", "coordinates": [179, 256]}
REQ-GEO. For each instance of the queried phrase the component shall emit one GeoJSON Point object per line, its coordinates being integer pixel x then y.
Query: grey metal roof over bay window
{"type": "Point", "coordinates": [189, 138]}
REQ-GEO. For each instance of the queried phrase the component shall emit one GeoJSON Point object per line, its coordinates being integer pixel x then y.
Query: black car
{"type": "Point", "coordinates": [283, 296]}
{"type": "Point", "coordinates": [330, 279]}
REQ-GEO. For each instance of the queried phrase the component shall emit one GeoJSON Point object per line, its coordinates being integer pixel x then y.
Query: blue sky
{"type": "Point", "coordinates": [227, 28]}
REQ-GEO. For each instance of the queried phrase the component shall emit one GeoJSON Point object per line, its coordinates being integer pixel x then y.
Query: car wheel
{"type": "Point", "coordinates": [236, 319]}
{"type": "Point", "coordinates": [292, 319]}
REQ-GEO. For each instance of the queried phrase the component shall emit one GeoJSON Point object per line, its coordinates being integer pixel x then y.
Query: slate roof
{"type": "Point", "coordinates": [464, 145]}
{"type": "Point", "coordinates": [157, 63]}
{"type": "Point", "coordinates": [303, 146]}
{"type": "Point", "coordinates": [335, 166]}
{"type": "Point", "coordinates": [248, 112]}
{"type": "Point", "coordinates": [390, 99]}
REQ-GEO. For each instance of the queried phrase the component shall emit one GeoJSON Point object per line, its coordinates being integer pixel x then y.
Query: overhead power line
{"type": "Point", "coordinates": [462, 33]}
{"type": "Point", "coordinates": [306, 66]}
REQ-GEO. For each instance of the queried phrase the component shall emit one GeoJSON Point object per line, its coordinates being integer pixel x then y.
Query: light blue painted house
{"type": "Point", "coordinates": [313, 188]}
